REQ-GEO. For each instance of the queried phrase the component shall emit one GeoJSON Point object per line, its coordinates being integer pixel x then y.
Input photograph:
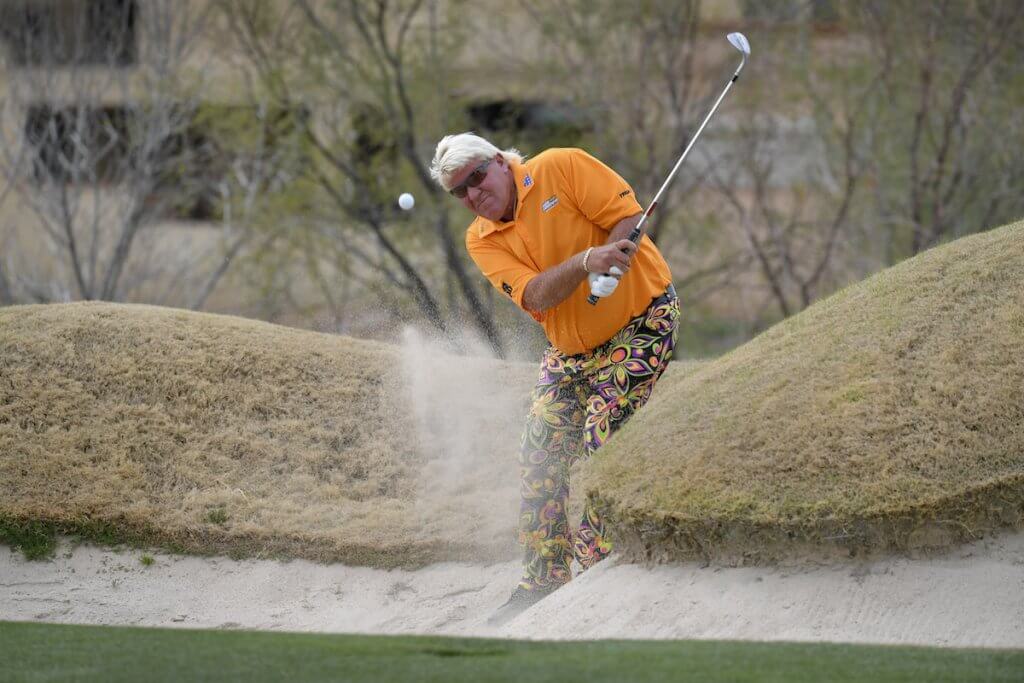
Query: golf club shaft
{"type": "Point", "coordinates": [637, 232]}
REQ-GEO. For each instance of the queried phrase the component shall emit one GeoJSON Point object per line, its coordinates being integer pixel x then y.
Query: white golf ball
{"type": "Point", "coordinates": [406, 201]}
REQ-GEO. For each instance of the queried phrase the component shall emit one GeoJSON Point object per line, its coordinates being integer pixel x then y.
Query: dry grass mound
{"type": "Point", "coordinates": [887, 417]}
{"type": "Point", "coordinates": [207, 433]}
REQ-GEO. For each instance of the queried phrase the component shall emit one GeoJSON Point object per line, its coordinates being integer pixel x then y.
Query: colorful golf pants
{"type": "Point", "coordinates": [578, 403]}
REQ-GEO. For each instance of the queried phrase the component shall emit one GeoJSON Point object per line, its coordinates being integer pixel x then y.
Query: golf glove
{"type": "Point", "coordinates": [602, 285]}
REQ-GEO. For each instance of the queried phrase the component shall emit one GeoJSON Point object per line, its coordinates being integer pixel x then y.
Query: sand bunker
{"type": "Point", "coordinates": [214, 434]}
{"type": "Point", "coordinates": [969, 597]}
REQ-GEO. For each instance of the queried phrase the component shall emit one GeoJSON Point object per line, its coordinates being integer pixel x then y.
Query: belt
{"type": "Point", "coordinates": [671, 291]}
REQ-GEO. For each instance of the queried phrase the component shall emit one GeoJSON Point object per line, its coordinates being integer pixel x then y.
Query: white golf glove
{"type": "Point", "coordinates": [602, 285]}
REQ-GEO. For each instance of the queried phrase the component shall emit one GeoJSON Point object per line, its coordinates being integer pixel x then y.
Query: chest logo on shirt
{"type": "Point", "coordinates": [527, 181]}
{"type": "Point", "coordinates": [550, 203]}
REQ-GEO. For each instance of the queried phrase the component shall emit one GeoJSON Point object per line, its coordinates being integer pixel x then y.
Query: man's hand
{"type": "Point", "coordinates": [617, 254]}
{"type": "Point", "coordinates": [604, 285]}
{"type": "Point", "coordinates": [607, 264]}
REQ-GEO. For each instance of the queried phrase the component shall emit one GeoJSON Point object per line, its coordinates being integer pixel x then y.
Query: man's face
{"type": "Point", "coordinates": [491, 198]}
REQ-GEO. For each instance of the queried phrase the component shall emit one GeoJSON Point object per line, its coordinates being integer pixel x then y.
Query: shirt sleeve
{"type": "Point", "coordinates": [600, 194]}
{"type": "Point", "coordinates": [507, 273]}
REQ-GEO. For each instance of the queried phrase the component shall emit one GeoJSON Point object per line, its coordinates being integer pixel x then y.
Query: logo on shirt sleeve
{"type": "Point", "coordinates": [624, 193]}
{"type": "Point", "coordinates": [506, 288]}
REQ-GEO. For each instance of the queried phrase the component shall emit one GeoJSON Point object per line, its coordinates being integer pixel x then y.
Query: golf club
{"type": "Point", "coordinates": [738, 41]}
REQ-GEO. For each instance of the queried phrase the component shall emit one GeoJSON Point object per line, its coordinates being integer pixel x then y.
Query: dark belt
{"type": "Point", "coordinates": [668, 295]}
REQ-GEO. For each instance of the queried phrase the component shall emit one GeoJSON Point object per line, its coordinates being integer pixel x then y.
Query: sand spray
{"type": "Point", "coordinates": [469, 409]}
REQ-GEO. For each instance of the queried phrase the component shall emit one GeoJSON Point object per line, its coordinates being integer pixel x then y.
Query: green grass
{"type": "Point", "coordinates": [47, 652]}
{"type": "Point", "coordinates": [217, 516]}
{"type": "Point", "coordinates": [36, 540]}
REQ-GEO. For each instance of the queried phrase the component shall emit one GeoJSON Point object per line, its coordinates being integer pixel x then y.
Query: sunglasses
{"type": "Point", "coordinates": [472, 180]}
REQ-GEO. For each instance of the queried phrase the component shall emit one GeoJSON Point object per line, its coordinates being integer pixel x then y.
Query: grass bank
{"type": "Point", "coordinates": [215, 434]}
{"type": "Point", "coordinates": [888, 417]}
{"type": "Point", "coordinates": [43, 652]}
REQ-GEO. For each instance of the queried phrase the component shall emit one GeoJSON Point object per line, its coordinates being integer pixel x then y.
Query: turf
{"type": "Point", "coordinates": [214, 434]}
{"type": "Point", "coordinates": [887, 417]}
{"type": "Point", "coordinates": [45, 652]}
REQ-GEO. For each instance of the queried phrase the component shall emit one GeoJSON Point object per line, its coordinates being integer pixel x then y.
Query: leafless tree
{"type": "Point", "coordinates": [795, 166]}
{"type": "Point", "coordinates": [869, 133]}
{"type": "Point", "coordinates": [6, 229]}
{"type": "Point", "coordinates": [945, 167]}
{"type": "Point", "coordinates": [99, 143]}
{"type": "Point", "coordinates": [260, 157]}
{"type": "Point", "coordinates": [364, 65]}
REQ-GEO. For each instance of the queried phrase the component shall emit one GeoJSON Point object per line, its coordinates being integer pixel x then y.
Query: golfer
{"type": "Point", "coordinates": [550, 232]}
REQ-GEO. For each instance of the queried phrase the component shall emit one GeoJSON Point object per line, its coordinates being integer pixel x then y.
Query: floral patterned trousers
{"type": "Point", "coordinates": [578, 403]}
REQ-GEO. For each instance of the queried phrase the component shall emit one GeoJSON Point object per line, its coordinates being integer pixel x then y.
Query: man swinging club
{"type": "Point", "coordinates": [543, 228]}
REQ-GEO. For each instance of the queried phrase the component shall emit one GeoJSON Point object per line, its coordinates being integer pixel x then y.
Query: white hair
{"type": "Point", "coordinates": [455, 151]}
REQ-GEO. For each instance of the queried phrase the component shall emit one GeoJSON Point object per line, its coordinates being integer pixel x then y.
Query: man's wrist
{"type": "Point", "coordinates": [586, 259]}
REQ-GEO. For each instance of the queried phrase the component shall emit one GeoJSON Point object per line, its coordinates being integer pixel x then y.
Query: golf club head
{"type": "Point", "coordinates": [740, 42]}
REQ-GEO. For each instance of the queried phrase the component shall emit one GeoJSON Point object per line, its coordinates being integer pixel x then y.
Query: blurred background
{"type": "Point", "coordinates": [246, 156]}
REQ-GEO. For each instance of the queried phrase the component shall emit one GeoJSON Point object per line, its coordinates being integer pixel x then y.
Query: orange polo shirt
{"type": "Point", "coordinates": [567, 201]}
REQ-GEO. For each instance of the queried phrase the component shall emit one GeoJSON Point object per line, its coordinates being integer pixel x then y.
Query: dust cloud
{"type": "Point", "coordinates": [469, 409]}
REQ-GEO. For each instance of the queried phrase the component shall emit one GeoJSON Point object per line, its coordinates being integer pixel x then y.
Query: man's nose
{"type": "Point", "coordinates": [473, 193]}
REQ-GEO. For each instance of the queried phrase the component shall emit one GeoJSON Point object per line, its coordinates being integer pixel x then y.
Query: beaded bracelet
{"type": "Point", "coordinates": [586, 256]}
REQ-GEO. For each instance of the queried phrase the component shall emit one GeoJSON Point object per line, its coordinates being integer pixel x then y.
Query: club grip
{"type": "Point", "coordinates": [634, 237]}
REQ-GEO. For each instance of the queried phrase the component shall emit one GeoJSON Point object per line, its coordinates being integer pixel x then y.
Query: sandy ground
{"type": "Point", "coordinates": [973, 596]}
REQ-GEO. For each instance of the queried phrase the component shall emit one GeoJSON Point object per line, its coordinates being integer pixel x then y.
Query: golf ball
{"type": "Point", "coordinates": [406, 201]}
